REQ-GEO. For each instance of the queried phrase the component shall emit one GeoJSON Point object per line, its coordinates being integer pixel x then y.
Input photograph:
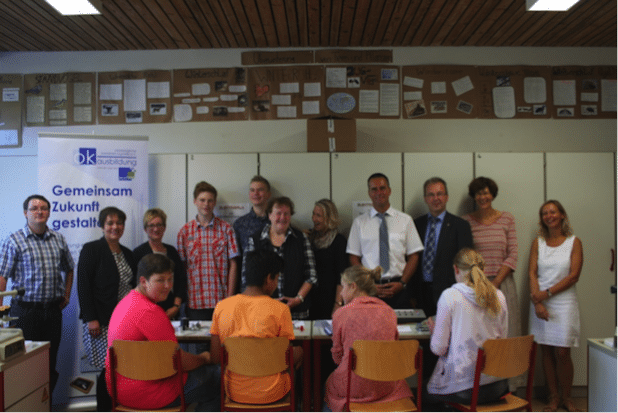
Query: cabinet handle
{"type": "Point", "coordinates": [611, 266]}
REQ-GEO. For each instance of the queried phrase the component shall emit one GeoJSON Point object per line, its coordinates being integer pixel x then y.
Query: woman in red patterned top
{"type": "Point", "coordinates": [494, 236]}
{"type": "Point", "coordinates": [363, 317]}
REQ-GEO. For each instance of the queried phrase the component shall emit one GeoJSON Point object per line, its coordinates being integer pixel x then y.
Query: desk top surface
{"type": "Point", "coordinates": [200, 330]}
{"type": "Point", "coordinates": [303, 330]}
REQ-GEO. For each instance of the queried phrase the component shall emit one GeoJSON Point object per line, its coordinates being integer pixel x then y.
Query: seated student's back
{"type": "Point", "coordinates": [253, 313]}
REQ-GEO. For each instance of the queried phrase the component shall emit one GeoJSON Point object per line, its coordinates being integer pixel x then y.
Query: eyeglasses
{"type": "Point", "coordinates": [150, 226]}
{"type": "Point", "coordinates": [35, 209]}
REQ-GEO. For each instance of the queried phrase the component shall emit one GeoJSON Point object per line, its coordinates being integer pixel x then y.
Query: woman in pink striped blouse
{"type": "Point", "coordinates": [494, 236]}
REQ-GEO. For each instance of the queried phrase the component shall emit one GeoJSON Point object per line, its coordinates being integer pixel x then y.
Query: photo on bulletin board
{"type": "Point", "coordinates": [286, 92]}
{"type": "Point", "coordinates": [515, 92]}
{"type": "Point", "coordinates": [134, 97]}
{"type": "Point", "coordinates": [210, 94]}
{"type": "Point", "coordinates": [584, 92]}
{"type": "Point", "coordinates": [10, 110]}
{"type": "Point", "coordinates": [440, 92]}
{"type": "Point", "coordinates": [60, 99]}
{"type": "Point", "coordinates": [363, 91]}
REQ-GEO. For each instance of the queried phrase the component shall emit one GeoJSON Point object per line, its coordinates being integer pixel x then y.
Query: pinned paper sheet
{"type": "Point", "coordinates": [504, 102]}
{"type": "Point", "coordinates": [564, 93]}
{"type": "Point", "coordinates": [535, 90]}
{"type": "Point", "coordinates": [182, 113]}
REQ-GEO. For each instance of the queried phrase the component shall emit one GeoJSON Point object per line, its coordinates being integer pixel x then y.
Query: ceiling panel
{"type": "Point", "coordinates": [33, 25]}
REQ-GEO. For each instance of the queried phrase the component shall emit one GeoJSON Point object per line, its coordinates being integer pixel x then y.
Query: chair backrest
{"type": "Point", "coordinates": [384, 360]}
{"type": "Point", "coordinates": [256, 357]}
{"type": "Point", "coordinates": [507, 357]}
{"type": "Point", "coordinates": [145, 360]}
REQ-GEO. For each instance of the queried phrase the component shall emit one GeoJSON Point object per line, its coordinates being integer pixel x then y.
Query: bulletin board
{"type": "Point", "coordinates": [10, 110]}
{"type": "Point", "coordinates": [363, 91]}
{"type": "Point", "coordinates": [60, 99]}
{"type": "Point", "coordinates": [440, 92]}
{"type": "Point", "coordinates": [293, 92]}
{"type": "Point", "coordinates": [584, 92]}
{"type": "Point", "coordinates": [515, 92]}
{"type": "Point", "coordinates": [134, 97]}
{"type": "Point", "coordinates": [212, 94]}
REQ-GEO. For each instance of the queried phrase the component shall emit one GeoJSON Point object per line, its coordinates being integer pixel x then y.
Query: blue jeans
{"type": "Point", "coordinates": [203, 387]}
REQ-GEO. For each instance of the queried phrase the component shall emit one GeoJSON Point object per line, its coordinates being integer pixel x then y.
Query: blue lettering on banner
{"type": "Point", "coordinates": [58, 224]}
{"type": "Point", "coordinates": [73, 207]}
{"type": "Point", "coordinates": [86, 156]}
{"type": "Point", "coordinates": [92, 191]}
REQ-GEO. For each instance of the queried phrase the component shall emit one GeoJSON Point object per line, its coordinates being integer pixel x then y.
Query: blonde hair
{"type": "Point", "coordinates": [153, 213]}
{"type": "Point", "coordinates": [566, 226]}
{"type": "Point", "coordinates": [364, 278]}
{"type": "Point", "coordinates": [331, 215]}
{"type": "Point", "coordinates": [471, 263]}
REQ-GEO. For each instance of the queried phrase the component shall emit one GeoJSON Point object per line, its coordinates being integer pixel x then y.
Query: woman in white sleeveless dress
{"type": "Point", "coordinates": [556, 259]}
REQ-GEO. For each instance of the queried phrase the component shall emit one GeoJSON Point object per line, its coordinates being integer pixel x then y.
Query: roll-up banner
{"type": "Point", "coordinates": [80, 175]}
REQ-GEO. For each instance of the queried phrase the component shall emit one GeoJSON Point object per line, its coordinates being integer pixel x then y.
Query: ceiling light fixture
{"type": "Point", "coordinates": [549, 5]}
{"type": "Point", "coordinates": [73, 7]}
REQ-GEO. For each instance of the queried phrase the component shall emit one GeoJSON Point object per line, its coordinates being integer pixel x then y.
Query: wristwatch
{"type": "Point", "coordinates": [404, 284]}
{"type": "Point", "coordinates": [549, 294]}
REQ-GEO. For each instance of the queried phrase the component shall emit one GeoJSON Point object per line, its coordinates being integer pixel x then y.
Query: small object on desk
{"type": "Point", "coordinates": [184, 323]}
{"type": "Point", "coordinates": [83, 385]}
{"type": "Point", "coordinates": [4, 310]}
{"type": "Point", "coordinates": [422, 327]}
{"type": "Point", "coordinates": [410, 315]}
{"type": "Point", "coordinates": [299, 325]}
{"type": "Point", "coordinates": [326, 326]}
{"type": "Point", "coordinates": [12, 343]}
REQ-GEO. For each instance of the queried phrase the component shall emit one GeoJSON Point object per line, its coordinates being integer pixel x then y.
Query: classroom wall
{"type": "Point", "coordinates": [400, 135]}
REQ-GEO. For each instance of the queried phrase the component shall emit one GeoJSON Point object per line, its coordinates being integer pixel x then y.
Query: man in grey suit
{"type": "Point", "coordinates": [443, 235]}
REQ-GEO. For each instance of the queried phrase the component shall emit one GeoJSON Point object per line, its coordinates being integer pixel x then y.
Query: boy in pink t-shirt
{"type": "Point", "coordinates": [137, 317]}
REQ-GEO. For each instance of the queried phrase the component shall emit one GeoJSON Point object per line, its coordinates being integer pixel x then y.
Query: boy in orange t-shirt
{"type": "Point", "coordinates": [253, 313]}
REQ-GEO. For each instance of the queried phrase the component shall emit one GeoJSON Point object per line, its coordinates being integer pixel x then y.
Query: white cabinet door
{"type": "Point", "coordinates": [350, 172]}
{"type": "Point", "coordinates": [228, 173]}
{"type": "Point", "coordinates": [167, 174]}
{"type": "Point", "coordinates": [519, 177]}
{"type": "Point", "coordinates": [303, 177]}
{"type": "Point", "coordinates": [584, 184]}
{"type": "Point", "coordinates": [455, 168]}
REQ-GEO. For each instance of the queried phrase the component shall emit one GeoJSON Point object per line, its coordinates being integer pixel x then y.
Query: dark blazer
{"type": "Point", "coordinates": [455, 234]}
{"type": "Point", "coordinates": [180, 275]}
{"type": "Point", "coordinates": [98, 280]}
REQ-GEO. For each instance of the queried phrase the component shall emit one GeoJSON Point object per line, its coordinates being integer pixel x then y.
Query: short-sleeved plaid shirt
{"type": "Point", "coordinates": [206, 251]}
{"type": "Point", "coordinates": [36, 263]}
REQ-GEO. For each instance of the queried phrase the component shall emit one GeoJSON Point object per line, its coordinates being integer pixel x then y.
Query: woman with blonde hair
{"type": "Point", "coordinates": [363, 317]}
{"type": "Point", "coordinates": [155, 223]}
{"type": "Point", "coordinates": [330, 259]}
{"type": "Point", "coordinates": [469, 312]}
{"type": "Point", "coordinates": [556, 259]}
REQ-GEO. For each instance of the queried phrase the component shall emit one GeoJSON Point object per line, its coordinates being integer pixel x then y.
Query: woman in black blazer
{"type": "Point", "coordinates": [105, 274]}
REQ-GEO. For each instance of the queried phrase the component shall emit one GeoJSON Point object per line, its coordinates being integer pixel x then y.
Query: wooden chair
{"type": "Point", "coordinates": [146, 360]}
{"type": "Point", "coordinates": [385, 361]}
{"type": "Point", "coordinates": [505, 358]}
{"type": "Point", "coordinates": [257, 357]}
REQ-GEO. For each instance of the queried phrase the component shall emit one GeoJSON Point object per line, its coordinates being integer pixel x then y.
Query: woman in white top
{"type": "Point", "coordinates": [556, 259]}
{"type": "Point", "coordinates": [469, 312]}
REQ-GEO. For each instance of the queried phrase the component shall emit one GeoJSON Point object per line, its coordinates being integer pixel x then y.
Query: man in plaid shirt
{"type": "Point", "coordinates": [207, 246]}
{"type": "Point", "coordinates": [38, 260]}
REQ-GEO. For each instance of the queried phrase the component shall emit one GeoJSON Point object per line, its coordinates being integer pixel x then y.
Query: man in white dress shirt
{"type": "Point", "coordinates": [388, 238]}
